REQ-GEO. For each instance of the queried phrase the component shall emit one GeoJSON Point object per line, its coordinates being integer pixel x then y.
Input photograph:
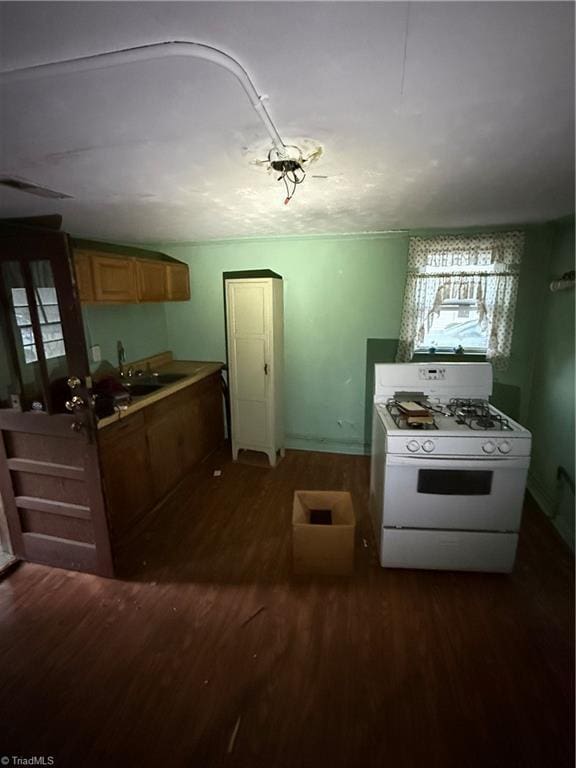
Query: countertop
{"type": "Point", "coordinates": [195, 371]}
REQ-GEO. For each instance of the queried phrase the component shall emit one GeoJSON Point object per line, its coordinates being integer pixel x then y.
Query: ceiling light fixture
{"type": "Point", "coordinates": [172, 48]}
{"type": "Point", "coordinates": [290, 166]}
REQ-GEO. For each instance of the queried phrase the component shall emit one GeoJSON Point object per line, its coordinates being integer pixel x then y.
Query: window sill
{"type": "Point", "coordinates": [453, 356]}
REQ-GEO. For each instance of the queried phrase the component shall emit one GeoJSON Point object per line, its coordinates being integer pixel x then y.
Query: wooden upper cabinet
{"type": "Point", "coordinates": [129, 276]}
{"type": "Point", "coordinates": [84, 281]}
{"type": "Point", "coordinates": [178, 282]}
{"type": "Point", "coordinates": [152, 282]}
{"type": "Point", "coordinates": [114, 279]}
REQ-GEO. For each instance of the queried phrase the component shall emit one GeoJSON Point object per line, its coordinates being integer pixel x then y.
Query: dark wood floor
{"type": "Point", "coordinates": [207, 625]}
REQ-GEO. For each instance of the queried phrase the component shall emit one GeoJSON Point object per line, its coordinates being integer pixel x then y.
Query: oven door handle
{"type": "Point", "coordinates": [470, 462]}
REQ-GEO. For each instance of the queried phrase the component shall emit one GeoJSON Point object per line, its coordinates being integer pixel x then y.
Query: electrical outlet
{"type": "Point", "coordinates": [96, 353]}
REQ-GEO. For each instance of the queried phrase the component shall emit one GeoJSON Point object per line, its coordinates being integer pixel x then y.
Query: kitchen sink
{"type": "Point", "coordinates": [138, 390]}
{"type": "Point", "coordinates": [169, 378]}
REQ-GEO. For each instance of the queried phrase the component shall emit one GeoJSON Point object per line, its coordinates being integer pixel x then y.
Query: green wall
{"type": "Point", "coordinates": [342, 295]}
{"type": "Point", "coordinates": [141, 328]}
{"type": "Point", "coordinates": [338, 292]}
{"type": "Point", "coordinates": [552, 403]}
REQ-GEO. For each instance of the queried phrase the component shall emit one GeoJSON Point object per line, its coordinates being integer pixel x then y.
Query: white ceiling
{"type": "Point", "coordinates": [429, 115]}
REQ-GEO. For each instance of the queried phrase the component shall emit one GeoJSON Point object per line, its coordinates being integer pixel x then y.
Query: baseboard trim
{"type": "Point", "coordinates": [301, 442]}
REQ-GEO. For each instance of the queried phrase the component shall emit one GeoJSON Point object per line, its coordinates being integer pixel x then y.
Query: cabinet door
{"type": "Point", "coordinates": [178, 279]}
{"type": "Point", "coordinates": [83, 272]}
{"type": "Point", "coordinates": [126, 472]}
{"type": "Point", "coordinates": [192, 433]}
{"type": "Point", "coordinates": [114, 279]}
{"type": "Point", "coordinates": [164, 434]}
{"type": "Point", "coordinates": [151, 280]}
{"type": "Point", "coordinates": [211, 417]}
{"type": "Point", "coordinates": [248, 306]}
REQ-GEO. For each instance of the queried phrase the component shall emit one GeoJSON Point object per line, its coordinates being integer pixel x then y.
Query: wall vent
{"type": "Point", "coordinates": [13, 182]}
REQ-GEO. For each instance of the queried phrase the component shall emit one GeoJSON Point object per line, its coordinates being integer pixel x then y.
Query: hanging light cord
{"type": "Point", "coordinates": [292, 172]}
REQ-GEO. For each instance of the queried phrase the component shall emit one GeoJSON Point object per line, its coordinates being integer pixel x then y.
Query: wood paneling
{"type": "Point", "coordinates": [382, 669]}
{"type": "Point", "coordinates": [50, 487]}
{"type": "Point", "coordinates": [114, 279]}
{"type": "Point", "coordinates": [60, 552]}
{"type": "Point", "coordinates": [46, 468]}
{"type": "Point", "coordinates": [61, 526]}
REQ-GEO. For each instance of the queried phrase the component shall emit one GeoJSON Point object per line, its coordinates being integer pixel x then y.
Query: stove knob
{"type": "Point", "coordinates": [489, 447]}
{"type": "Point", "coordinates": [428, 446]}
{"type": "Point", "coordinates": [505, 447]}
{"type": "Point", "coordinates": [412, 446]}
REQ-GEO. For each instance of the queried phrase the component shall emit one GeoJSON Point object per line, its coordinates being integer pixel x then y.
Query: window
{"type": "Point", "coordinates": [461, 295]}
{"type": "Point", "coordinates": [49, 316]}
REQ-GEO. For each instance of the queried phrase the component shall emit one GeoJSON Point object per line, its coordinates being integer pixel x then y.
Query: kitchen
{"type": "Point", "coordinates": [343, 300]}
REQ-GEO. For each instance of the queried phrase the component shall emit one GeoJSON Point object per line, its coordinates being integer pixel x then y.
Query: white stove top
{"type": "Point", "coordinates": [451, 435]}
{"type": "Point", "coordinates": [453, 439]}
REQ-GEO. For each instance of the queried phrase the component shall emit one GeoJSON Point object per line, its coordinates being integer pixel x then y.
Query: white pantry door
{"type": "Point", "coordinates": [249, 314]}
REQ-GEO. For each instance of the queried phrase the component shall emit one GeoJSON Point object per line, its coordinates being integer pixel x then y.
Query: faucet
{"type": "Point", "coordinates": [121, 357]}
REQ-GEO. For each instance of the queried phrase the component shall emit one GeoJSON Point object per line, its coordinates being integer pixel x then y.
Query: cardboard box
{"type": "Point", "coordinates": [323, 527]}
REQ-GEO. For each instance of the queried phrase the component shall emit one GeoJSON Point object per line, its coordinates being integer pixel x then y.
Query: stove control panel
{"type": "Point", "coordinates": [442, 446]}
{"type": "Point", "coordinates": [432, 373]}
{"type": "Point", "coordinates": [413, 445]}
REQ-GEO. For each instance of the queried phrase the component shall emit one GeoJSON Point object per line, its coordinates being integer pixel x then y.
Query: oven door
{"type": "Point", "coordinates": [462, 494]}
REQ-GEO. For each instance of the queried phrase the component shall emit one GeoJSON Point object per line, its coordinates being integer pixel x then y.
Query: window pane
{"type": "Point", "coordinates": [27, 335]}
{"type": "Point", "coordinates": [456, 325]}
{"type": "Point", "coordinates": [22, 315]}
{"type": "Point", "coordinates": [46, 295]}
{"type": "Point", "coordinates": [52, 332]}
{"type": "Point", "coordinates": [54, 349]}
{"type": "Point", "coordinates": [19, 297]}
{"type": "Point", "coordinates": [30, 354]}
{"type": "Point", "coordinates": [52, 313]}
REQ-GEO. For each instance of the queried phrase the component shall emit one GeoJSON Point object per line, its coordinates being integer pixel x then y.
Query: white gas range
{"type": "Point", "coordinates": [448, 470]}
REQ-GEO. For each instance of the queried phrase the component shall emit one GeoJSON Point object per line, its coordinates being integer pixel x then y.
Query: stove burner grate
{"type": "Point", "coordinates": [403, 421]}
{"type": "Point", "coordinates": [476, 414]}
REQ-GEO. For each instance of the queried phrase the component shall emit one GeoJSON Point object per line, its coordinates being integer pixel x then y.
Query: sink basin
{"type": "Point", "coordinates": [169, 378]}
{"type": "Point", "coordinates": [138, 390]}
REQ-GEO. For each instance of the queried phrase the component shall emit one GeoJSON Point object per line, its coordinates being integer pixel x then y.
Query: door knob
{"type": "Point", "coordinates": [76, 404]}
{"type": "Point", "coordinates": [74, 382]}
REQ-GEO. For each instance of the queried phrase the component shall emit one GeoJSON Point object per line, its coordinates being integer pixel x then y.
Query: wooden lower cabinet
{"type": "Point", "coordinates": [165, 447]}
{"type": "Point", "coordinates": [125, 466]}
{"type": "Point", "coordinates": [145, 455]}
